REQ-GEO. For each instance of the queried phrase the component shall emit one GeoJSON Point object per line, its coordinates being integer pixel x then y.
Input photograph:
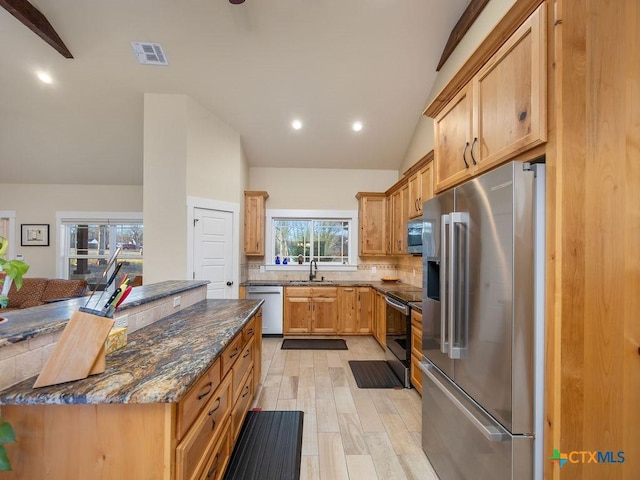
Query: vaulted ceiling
{"type": "Point", "coordinates": [257, 66]}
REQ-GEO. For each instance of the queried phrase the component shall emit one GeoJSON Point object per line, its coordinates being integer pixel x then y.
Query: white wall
{"type": "Point", "coordinates": [422, 139]}
{"type": "Point", "coordinates": [39, 204]}
{"type": "Point", "coordinates": [188, 152]}
{"type": "Point", "coordinates": [318, 188]}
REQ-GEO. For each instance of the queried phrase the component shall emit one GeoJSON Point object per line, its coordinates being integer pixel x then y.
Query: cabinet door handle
{"type": "Point", "coordinates": [464, 155]}
{"type": "Point", "coordinates": [473, 159]}
{"type": "Point", "coordinates": [247, 353]}
{"type": "Point", "coordinates": [213, 410]}
{"type": "Point", "coordinates": [235, 352]}
{"type": "Point", "coordinates": [246, 391]}
{"type": "Point", "coordinates": [214, 467]}
{"type": "Point", "coordinates": [250, 332]}
{"type": "Point", "coordinates": [209, 386]}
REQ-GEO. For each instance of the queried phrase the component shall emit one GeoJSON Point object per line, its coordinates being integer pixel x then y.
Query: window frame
{"type": "Point", "coordinates": [66, 218]}
{"type": "Point", "coordinates": [350, 216]}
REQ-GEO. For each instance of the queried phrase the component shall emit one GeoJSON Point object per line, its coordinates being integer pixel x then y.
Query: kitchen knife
{"type": "Point", "coordinates": [112, 298]}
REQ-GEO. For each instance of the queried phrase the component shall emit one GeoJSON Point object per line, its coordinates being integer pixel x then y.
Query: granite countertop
{"type": "Point", "coordinates": [30, 322]}
{"type": "Point", "coordinates": [159, 363]}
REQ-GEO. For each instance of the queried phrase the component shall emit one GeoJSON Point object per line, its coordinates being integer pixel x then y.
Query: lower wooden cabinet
{"type": "Point", "coordinates": [416, 350]}
{"type": "Point", "coordinates": [189, 440]}
{"type": "Point", "coordinates": [380, 319]}
{"type": "Point", "coordinates": [355, 310]}
{"type": "Point", "coordinates": [310, 310]}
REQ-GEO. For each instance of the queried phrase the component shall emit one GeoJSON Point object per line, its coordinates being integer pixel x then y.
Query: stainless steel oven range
{"type": "Point", "coordinates": [398, 320]}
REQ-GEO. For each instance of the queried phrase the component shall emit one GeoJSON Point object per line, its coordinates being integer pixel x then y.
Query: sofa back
{"type": "Point", "coordinates": [38, 291]}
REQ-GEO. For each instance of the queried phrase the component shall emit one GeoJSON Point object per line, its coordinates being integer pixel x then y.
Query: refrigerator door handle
{"type": "Point", "coordinates": [444, 344]}
{"type": "Point", "coordinates": [489, 430]}
{"type": "Point", "coordinates": [457, 296]}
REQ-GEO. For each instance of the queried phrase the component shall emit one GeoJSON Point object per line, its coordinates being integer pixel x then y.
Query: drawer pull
{"type": "Point", "coordinates": [214, 467]}
{"type": "Point", "coordinates": [246, 391]}
{"type": "Point", "coordinates": [235, 352]}
{"type": "Point", "coordinates": [250, 331]}
{"type": "Point", "coordinates": [247, 353]}
{"type": "Point", "coordinates": [209, 388]}
{"type": "Point", "coordinates": [213, 410]}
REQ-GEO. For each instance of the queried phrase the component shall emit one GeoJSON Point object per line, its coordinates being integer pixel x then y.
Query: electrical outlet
{"type": "Point", "coordinates": [122, 321]}
{"type": "Point", "coordinates": [261, 268]}
{"type": "Point", "coordinates": [374, 269]}
{"type": "Point", "coordinates": [176, 302]}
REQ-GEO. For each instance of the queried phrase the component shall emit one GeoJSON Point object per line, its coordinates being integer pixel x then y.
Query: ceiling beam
{"type": "Point", "coordinates": [37, 22]}
{"type": "Point", "coordinates": [464, 23]}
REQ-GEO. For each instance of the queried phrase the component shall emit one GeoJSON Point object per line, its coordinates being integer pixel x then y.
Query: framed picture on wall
{"type": "Point", "coordinates": [34, 235]}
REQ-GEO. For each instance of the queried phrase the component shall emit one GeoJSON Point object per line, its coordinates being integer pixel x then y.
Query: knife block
{"type": "Point", "coordinates": [80, 352]}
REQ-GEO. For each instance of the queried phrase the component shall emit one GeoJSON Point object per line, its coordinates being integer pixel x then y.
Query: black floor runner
{"type": "Point", "coordinates": [374, 374]}
{"type": "Point", "coordinates": [269, 447]}
{"type": "Point", "coordinates": [314, 344]}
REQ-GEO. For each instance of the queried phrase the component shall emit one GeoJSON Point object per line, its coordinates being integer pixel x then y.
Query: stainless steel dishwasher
{"type": "Point", "coordinates": [271, 308]}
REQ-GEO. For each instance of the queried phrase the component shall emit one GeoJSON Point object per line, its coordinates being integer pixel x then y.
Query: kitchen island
{"type": "Point", "coordinates": [169, 405]}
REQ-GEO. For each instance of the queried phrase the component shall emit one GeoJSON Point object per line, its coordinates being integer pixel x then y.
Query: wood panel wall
{"type": "Point", "coordinates": [593, 358]}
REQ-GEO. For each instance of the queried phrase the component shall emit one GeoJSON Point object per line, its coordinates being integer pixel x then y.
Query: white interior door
{"type": "Point", "coordinates": [213, 251]}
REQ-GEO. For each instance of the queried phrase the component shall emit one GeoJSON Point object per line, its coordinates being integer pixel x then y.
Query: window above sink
{"type": "Point", "coordinates": [329, 236]}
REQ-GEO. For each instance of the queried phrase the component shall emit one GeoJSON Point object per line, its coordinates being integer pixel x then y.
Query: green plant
{"type": "Point", "coordinates": [13, 269]}
{"type": "Point", "coordinates": [7, 435]}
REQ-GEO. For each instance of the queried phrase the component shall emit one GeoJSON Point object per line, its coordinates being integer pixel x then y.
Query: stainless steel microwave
{"type": "Point", "coordinates": [414, 237]}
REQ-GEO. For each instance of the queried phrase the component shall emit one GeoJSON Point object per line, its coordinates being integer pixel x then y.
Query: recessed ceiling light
{"type": "Point", "coordinates": [357, 126]}
{"type": "Point", "coordinates": [45, 77]}
{"type": "Point", "coordinates": [296, 124]}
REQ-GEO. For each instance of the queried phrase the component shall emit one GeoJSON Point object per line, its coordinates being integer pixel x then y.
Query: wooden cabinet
{"type": "Point", "coordinates": [420, 187]}
{"type": "Point", "coordinates": [416, 350]}
{"type": "Point", "coordinates": [355, 310]}
{"type": "Point", "coordinates": [380, 319]}
{"type": "Point", "coordinates": [188, 440]}
{"type": "Point", "coordinates": [311, 310]}
{"type": "Point", "coordinates": [398, 216]}
{"type": "Point", "coordinates": [254, 218]}
{"type": "Point", "coordinates": [372, 215]}
{"type": "Point", "coordinates": [501, 112]}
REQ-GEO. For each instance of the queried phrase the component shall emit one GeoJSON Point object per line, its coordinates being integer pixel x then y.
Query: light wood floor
{"type": "Point", "coordinates": [349, 433]}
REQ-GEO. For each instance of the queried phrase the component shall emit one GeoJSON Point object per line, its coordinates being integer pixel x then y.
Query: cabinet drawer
{"type": "Point", "coordinates": [241, 367]}
{"type": "Point", "coordinates": [196, 399]}
{"type": "Point", "coordinates": [416, 341]}
{"type": "Point", "coordinates": [297, 291]}
{"type": "Point", "coordinates": [191, 453]}
{"type": "Point", "coordinates": [242, 405]}
{"type": "Point", "coordinates": [248, 331]}
{"type": "Point", "coordinates": [416, 318]}
{"type": "Point", "coordinates": [231, 354]}
{"type": "Point", "coordinates": [325, 292]}
{"type": "Point", "coordinates": [219, 456]}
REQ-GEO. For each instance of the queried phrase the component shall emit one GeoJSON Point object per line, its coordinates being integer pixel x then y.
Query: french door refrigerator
{"type": "Point", "coordinates": [483, 326]}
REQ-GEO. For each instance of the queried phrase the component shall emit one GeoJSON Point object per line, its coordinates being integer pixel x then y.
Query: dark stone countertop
{"type": "Point", "coordinates": [416, 306]}
{"type": "Point", "coordinates": [159, 363]}
{"type": "Point", "coordinates": [30, 322]}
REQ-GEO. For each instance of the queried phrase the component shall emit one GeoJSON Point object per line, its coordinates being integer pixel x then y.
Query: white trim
{"type": "Point", "coordinates": [11, 234]}
{"type": "Point", "coordinates": [209, 204]}
{"type": "Point", "coordinates": [350, 215]}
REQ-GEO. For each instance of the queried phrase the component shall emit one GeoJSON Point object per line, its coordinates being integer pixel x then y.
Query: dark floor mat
{"type": "Point", "coordinates": [374, 374]}
{"type": "Point", "coordinates": [314, 344]}
{"type": "Point", "coordinates": [269, 447]}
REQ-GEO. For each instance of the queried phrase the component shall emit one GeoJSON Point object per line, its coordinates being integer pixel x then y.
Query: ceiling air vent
{"type": "Point", "coordinates": [149, 53]}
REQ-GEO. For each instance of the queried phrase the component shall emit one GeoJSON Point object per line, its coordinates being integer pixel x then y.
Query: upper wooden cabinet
{"type": "Point", "coordinates": [500, 113]}
{"type": "Point", "coordinates": [420, 185]}
{"type": "Point", "coordinates": [372, 215]}
{"type": "Point", "coordinates": [254, 216]}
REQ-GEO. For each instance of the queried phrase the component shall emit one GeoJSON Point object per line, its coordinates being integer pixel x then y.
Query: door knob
{"type": "Point", "coordinates": [229, 284]}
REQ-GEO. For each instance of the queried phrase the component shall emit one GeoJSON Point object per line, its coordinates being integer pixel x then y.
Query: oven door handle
{"type": "Point", "coordinates": [397, 305]}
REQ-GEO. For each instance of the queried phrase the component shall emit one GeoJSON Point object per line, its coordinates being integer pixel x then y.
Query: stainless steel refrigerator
{"type": "Point", "coordinates": [483, 326]}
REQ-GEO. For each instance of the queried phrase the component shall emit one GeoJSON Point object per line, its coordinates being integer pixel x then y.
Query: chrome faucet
{"type": "Point", "coordinates": [312, 275]}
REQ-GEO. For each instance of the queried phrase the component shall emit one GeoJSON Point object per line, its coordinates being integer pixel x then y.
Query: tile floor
{"type": "Point", "coordinates": [349, 433]}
